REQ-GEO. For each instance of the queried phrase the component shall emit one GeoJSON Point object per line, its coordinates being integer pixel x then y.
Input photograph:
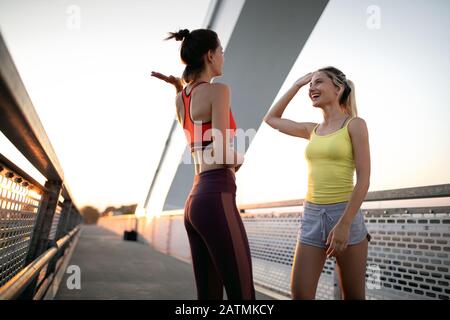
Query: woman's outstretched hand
{"type": "Point", "coordinates": [176, 82]}
{"type": "Point", "coordinates": [304, 80]}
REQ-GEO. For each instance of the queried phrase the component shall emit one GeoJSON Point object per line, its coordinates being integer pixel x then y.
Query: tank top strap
{"type": "Point", "coordinates": [314, 129]}
{"type": "Point", "coordinates": [344, 124]}
{"type": "Point", "coordinates": [347, 121]}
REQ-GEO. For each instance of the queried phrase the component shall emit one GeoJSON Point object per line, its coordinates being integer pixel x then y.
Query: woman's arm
{"type": "Point", "coordinates": [273, 117]}
{"type": "Point", "coordinates": [177, 83]}
{"type": "Point", "coordinates": [220, 119]}
{"type": "Point", "coordinates": [361, 153]}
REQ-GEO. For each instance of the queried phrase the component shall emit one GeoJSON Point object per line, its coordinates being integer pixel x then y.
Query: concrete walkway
{"type": "Point", "coordinates": [115, 269]}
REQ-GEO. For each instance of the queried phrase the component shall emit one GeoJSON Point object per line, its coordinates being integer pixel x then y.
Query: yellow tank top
{"type": "Point", "coordinates": [330, 166]}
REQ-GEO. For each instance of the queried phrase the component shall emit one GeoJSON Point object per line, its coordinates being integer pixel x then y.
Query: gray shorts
{"type": "Point", "coordinates": [318, 220]}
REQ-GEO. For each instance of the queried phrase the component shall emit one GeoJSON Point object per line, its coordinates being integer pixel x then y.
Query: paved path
{"type": "Point", "coordinates": [115, 269]}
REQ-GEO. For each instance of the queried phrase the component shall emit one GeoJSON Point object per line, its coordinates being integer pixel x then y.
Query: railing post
{"type": "Point", "coordinates": [39, 241]}
{"type": "Point", "coordinates": [60, 232]}
{"type": "Point", "coordinates": [65, 213]}
{"type": "Point", "coordinates": [69, 219]}
{"type": "Point", "coordinates": [70, 213]}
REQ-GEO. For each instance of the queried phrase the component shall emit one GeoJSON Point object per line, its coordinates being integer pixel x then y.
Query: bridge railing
{"type": "Point", "coordinates": [37, 222]}
{"type": "Point", "coordinates": [408, 254]}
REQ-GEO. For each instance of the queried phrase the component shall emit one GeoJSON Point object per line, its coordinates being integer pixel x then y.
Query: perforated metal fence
{"type": "Point", "coordinates": [18, 211]}
{"type": "Point", "coordinates": [272, 240]}
{"type": "Point", "coordinates": [33, 218]}
{"type": "Point", "coordinates": [412, 253]}
{"type": "Point", "coordinates": [408, 255]}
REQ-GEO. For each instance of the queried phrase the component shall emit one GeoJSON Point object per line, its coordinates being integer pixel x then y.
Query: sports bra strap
{"type": "Point", "coordinates": [193, 87]}
{"type": "Point", "coordinates": [187, 101]}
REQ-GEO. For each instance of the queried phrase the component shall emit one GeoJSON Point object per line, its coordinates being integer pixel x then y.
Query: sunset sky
{"type": "Point", "coordinates": [108, 120]}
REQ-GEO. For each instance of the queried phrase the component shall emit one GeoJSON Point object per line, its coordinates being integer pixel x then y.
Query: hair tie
{"type": "Point", "coordinates": [182, 34]}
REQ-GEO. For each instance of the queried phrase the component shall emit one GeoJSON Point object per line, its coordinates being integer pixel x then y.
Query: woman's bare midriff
{"type": "Point", "coordinates": [202, 167]}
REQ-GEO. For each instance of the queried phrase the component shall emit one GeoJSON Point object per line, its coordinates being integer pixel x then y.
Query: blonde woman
{"type": "Point", "coordinates": [332, 224]}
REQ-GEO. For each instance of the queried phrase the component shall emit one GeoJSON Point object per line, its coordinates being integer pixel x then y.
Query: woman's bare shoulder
{"type": "Point", "coordinates": [219, 88]}
{"type": "Point", "coordinates": [219, 92]}
{"type": "Point", "coordinates": [357, 125]}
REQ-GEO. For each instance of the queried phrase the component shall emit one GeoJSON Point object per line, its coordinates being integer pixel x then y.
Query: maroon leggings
{"type": "Point", "coordinates": [219, 245]}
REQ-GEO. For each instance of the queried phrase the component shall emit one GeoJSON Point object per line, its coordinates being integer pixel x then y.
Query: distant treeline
{"type": "Point", "coordinates": [130, 209]}
{"type": "Point", "coordinates": [92, 214]}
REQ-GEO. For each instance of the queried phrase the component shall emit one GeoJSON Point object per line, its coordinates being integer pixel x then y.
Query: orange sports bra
{"type": "Point", "coordinates": [196, 132]}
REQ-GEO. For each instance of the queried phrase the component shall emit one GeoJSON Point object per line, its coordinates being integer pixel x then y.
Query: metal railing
{"type": "Point", "coordinates": [408, 255]}
{"type": "Point", "coordinates": [37, 222]}
{"type": "Point", "coordinates": [15, 286]}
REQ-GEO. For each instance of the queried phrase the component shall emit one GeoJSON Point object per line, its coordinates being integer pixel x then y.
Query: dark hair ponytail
{"type": "Point", "coordinates": [194, 46]}
{"type": "Point", "coordinates": [179, 36]}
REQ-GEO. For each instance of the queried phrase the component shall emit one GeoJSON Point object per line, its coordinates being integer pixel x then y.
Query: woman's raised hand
{"type": "Point", "coordinates": [304, 80]}
{"type": "Point", "coordinates": [176, 82]}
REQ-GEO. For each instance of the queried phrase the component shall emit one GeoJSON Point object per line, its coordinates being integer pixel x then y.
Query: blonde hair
{"type": "Point", "coordinates": [348, 99]}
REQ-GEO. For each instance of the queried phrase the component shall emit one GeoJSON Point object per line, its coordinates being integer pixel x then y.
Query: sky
{"type": "Point", "coordinates": [395, 53]}
{"type": "Point", "coordinates": [86, 66]}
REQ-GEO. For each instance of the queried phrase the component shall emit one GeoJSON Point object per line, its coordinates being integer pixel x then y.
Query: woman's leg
{"type": "Point", "coordinates": [241, 248]}
{"type": "Point", "coordinates": [208, 281]}
{"type": "Point", "coordinates": [214, 216]}
{"type": "Point", "coordinates": [351, 268]}
{"type": "Point", "coordinates": [306, 271]}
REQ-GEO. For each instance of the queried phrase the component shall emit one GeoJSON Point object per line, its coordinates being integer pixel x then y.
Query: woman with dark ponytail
{"type": "Point", "coordinates": [218, 241]}
{"type": "Point", "coordinates": [332, 224]}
